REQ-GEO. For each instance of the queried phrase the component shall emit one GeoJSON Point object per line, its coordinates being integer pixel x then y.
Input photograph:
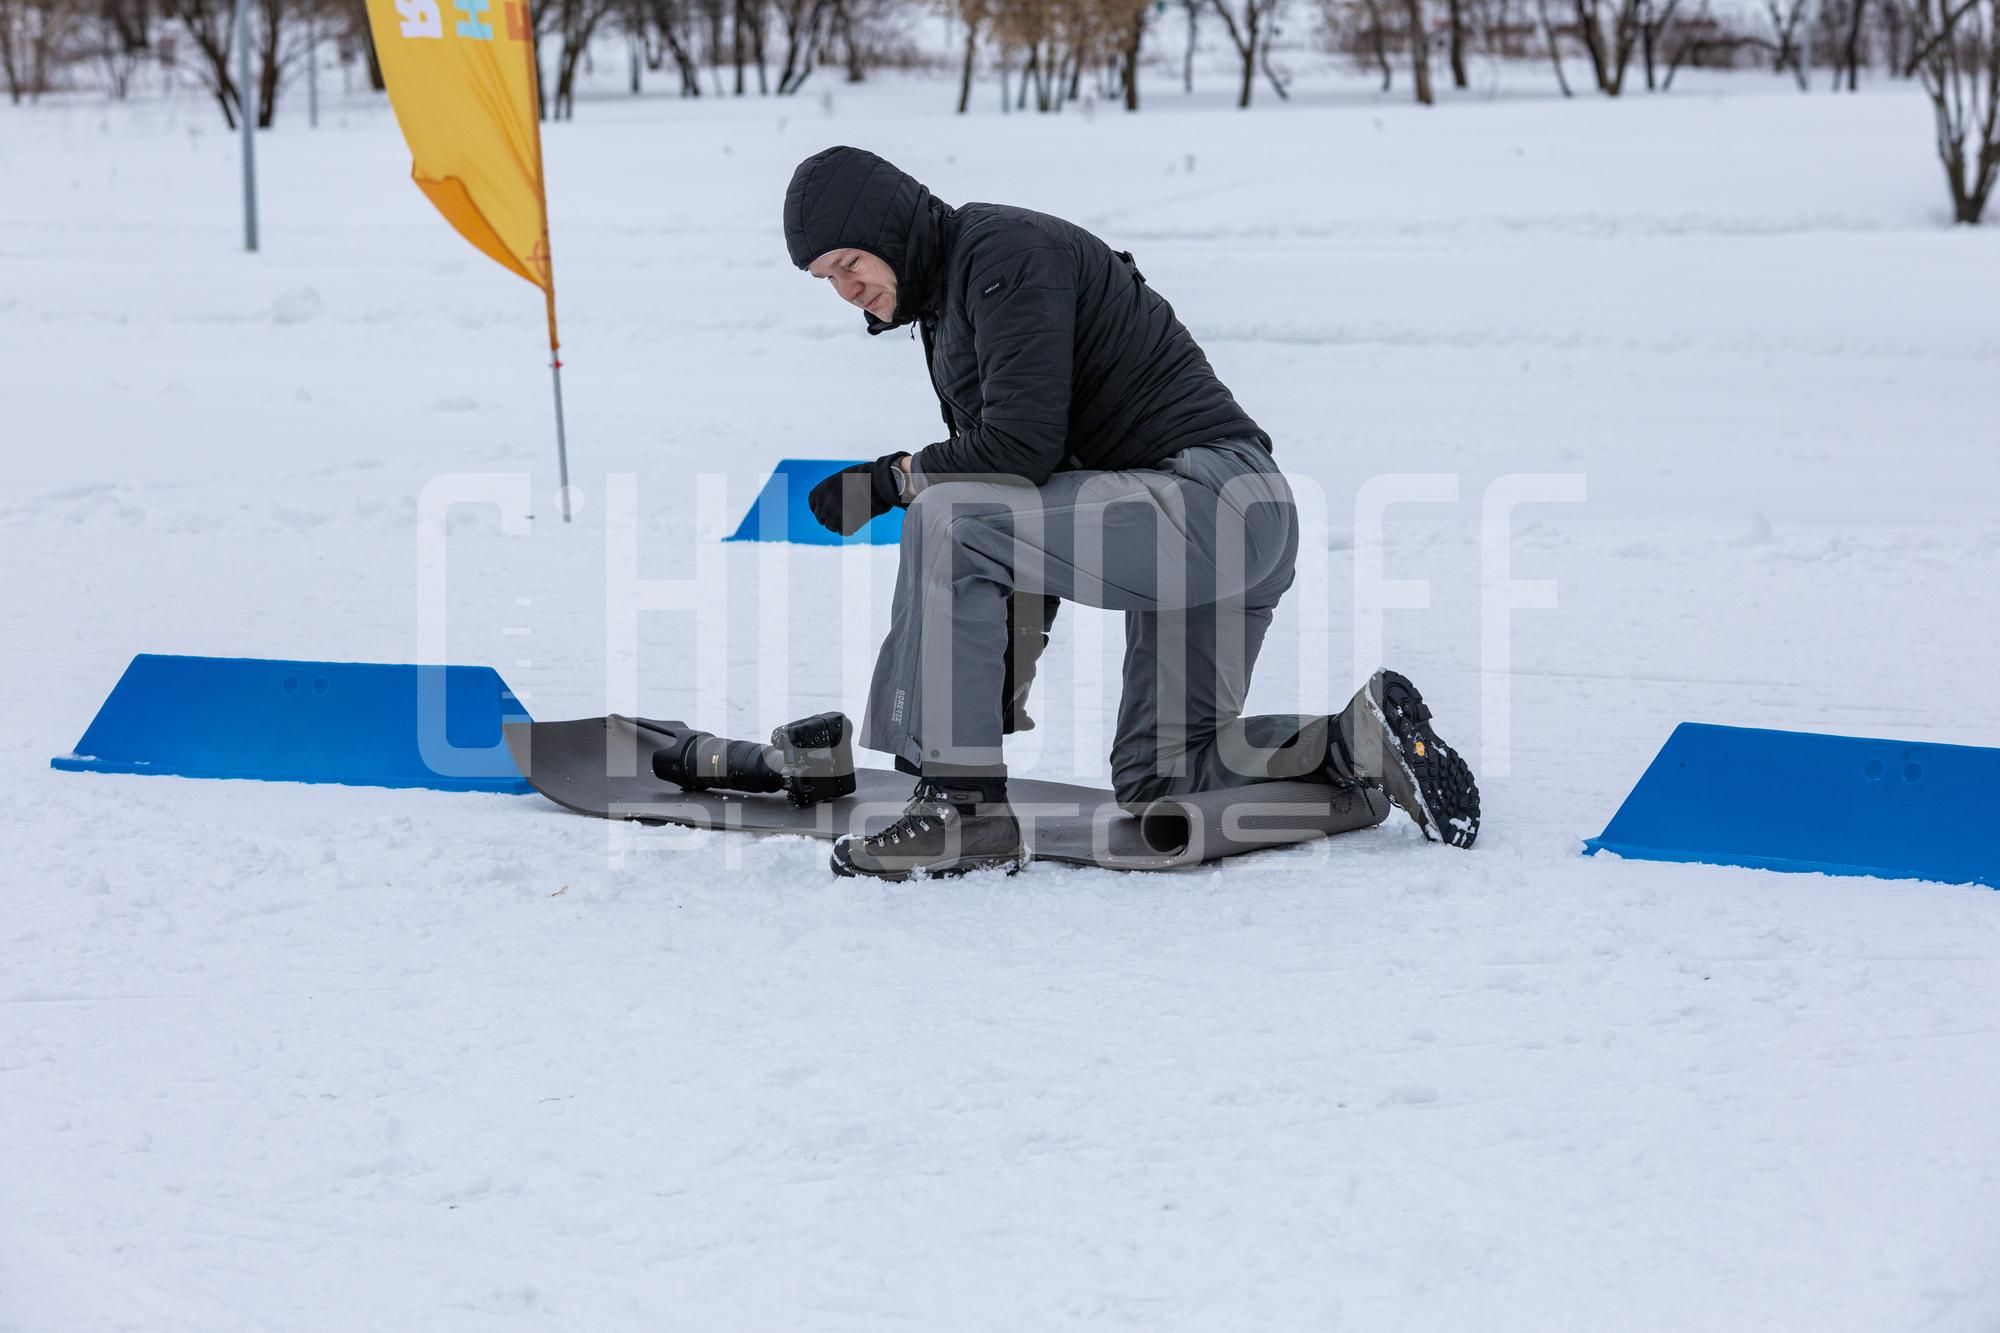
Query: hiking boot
{"type": "Point", "coordinates": [1383, 738]}
{"type": "Point", "coordinates": [946, 829]}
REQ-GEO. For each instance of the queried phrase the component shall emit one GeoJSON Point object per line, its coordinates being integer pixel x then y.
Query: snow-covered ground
{"type": "Point", "coordinates": [279, 1057]}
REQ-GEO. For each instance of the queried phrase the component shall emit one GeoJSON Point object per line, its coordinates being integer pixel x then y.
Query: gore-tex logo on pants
{"type": "Point", "coordinates": [896, 713]}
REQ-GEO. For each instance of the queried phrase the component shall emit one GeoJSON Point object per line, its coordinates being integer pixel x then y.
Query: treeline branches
{"type": "Point", "coordinates": [1044, 55]}
{"type": "Point", "coordinates": [1618, 42]}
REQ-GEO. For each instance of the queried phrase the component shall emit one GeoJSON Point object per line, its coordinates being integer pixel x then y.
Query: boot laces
{"type": "Point", "coordinates": [928, 807]}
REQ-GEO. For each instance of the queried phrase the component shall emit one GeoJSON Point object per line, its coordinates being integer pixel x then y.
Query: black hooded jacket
{"type": "Point", "coordinates": [1047, 349]}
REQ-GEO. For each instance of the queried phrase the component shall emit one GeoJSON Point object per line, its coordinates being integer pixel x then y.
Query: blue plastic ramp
{"type": "Point", "coordinates": [1842, 805]}
{"type": "Point", "coordinates": [365, 724]}
{"type": "Point", "coordinates": [780, 512]}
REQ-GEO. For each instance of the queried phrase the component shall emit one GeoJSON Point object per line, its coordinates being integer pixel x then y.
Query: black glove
{"type": "Point", "coordinates": [848, 499]}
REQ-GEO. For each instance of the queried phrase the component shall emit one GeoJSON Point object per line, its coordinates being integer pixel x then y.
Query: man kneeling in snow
{"type": "Point", "coordinates": [1093, 456]}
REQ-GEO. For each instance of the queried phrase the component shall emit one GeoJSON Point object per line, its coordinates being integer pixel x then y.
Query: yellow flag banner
{"type": "Point", "coordinates": [461, 76]}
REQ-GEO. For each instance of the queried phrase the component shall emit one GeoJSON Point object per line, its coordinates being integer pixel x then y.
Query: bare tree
{"type": "Point", "coordinates": [1128, 62]}
{"type": "Point", "coordinates": [1025, 24]}
{"type": "Point", "coordinates": [1276, 81]}
{"type": "Point", "coordinates": [1894, 21]}
{"type": "Point", "coordinates": [716, 42]}
{"type": "Point", "coordinates": [802, 20]}
{"type": "Point", "coordinates": [1378, 41]}
{"type": "Point", "coordinates": [34, 37]}
{"type": "Point", "coordinates": [1785, 43]}
{"type": "Point", "coordinates": [1500, 31]}
{"type": "Point", "coordinates": [1062, 38]}
{"type": "Point", "coordinates": [757, 15]}
{"type": "Point", "coordinates": [1420, 51]}
{"type": "Point", "coordinates": [279, 49]}
{"type": "Point", "coordinates": [736, 30]}
{"type": "Point", "coordinates": [129, 22]}
{"type": "Point", "coordinates": [1850, 19]}
{"type": "Point", "coordinates": [269, 35]}
{"type": "Point", "coordinates": [853, 43]}
{"type": "Point", "coordinates": [1555, 51]}
{"type": "Point", "coordinates": [1455, 15]}
{"type": "Point", "coordinates": [121, 40]}
{"type": "Point", "coordinates": [360, 34]}
{"type": "Point", "coordinates": [1245, 29]}
{"type": "Point", "coordinates": [1193, 8]}
{"type": "Point", "coordinates": [972, 13]}
{"type": "Point", "coordinates": [574, 22]}
{"type": "Point", "coordinates": [673, 24]}
{"type": "Point", "coordinates": [207, 25]}
{"type": "Point", "coordinates": [863, 34]}
{"type": "Point", "coordinates": [1958, 59]}
{"type": "Point", "coordinates": [1610, 51]}
{"type": "Point", "coordinates": [1655, 21]}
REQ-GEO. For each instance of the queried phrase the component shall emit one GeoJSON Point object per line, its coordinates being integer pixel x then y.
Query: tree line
{"type": "Point", "coordinates": [1045, 54]}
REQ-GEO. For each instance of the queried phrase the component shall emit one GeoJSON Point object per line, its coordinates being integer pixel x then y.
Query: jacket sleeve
{"type": "Point", "coordinates": [1023, 315]}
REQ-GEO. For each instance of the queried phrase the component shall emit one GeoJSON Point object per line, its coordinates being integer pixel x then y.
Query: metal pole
{"type": "Point", "coordinates": [562, 444]}
{"type": "Point", "coordinates": [312, 71]}
{"type": "Point", "coordinates": [549, 282]}
{"type": "Point", "coordinates": [555, 377]}
{"type": "Point", "coordinates": [244, 113]}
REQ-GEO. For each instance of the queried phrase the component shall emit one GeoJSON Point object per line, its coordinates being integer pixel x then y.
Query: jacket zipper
{"type": "Point", "coordinates": [945, 406]}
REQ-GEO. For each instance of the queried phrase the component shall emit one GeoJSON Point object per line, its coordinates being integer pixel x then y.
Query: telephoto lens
{"type": "Point", "coordinates": [697, 761]}
{"type": "Point", "coordinates": [811, 760]}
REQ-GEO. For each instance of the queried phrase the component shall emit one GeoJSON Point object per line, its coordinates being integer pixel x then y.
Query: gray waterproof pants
{"type": "Point", "coordinates": [1196, 552]}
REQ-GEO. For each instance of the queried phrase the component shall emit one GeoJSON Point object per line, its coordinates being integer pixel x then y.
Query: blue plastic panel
{"type": "Point", "coordinates": [364, 724]}
{"type": "Point", "coordinates": [1842, 805]}
{"type": "Point", "coordinates": [780, 512]}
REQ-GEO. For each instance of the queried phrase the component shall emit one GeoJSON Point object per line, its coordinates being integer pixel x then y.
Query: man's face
{"type": "Point", "coordinates": [862, 280]}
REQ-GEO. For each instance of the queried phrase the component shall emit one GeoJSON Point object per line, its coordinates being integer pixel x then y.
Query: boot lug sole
{"type": "Point", "coordinates": [1452, 765]}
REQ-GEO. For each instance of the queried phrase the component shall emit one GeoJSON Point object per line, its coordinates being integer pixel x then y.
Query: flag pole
{"type": "Point", "coordinates": [555, 376]}
{"type": "Point", "coordinates": [548, 277]}
{"type": "Point", "coordinates": [312, 71]}
{"type": "Point", "coordinates": [244, 101]}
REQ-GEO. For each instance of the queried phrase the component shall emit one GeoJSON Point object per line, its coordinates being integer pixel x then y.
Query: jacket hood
{"type": "Point", "coordinates": [848, 198]}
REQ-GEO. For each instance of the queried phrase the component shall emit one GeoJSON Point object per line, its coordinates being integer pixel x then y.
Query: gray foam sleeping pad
{"type": "Point", "coordinates": [603, 766]}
